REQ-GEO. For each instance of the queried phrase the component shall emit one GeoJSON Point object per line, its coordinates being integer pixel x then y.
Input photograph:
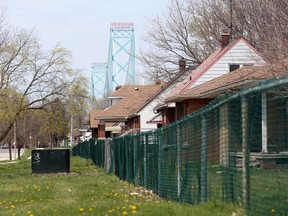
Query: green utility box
{"type": "Point", "coordinates": [52, 160]}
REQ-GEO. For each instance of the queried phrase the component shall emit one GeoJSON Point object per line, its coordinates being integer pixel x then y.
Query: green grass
{"type": "Point", "coordinates": [87, 190]}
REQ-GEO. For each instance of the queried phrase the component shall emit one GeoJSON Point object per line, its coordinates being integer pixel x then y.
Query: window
{"type": "Point", "coordinates": [233, 67]}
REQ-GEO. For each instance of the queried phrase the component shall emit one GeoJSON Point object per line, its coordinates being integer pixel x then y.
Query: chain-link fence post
{"type": "Point", "coordinates": [204, 160]}
{"type": "Point", "coordinates": [245, 149]}
{"type": "Point", "coordinates": [145, 146]}
{"type": "Point", "coordinates": [160, 149]}
{"type": "Point", "coordinates": [179, 160]}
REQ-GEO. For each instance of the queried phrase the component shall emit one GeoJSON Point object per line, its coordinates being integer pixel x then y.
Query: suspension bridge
{"type": "Point", "coordinates": [120, 66]}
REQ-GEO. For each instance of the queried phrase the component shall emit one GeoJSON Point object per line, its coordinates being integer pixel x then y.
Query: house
{"type": "Point", "coordinates": [227, 58]}
{"type": "Point", "coordinates": [124, 103]}
{"type": "Point", "coordinates": [269, 113]}
{"type": "Point", "coordinates": [148, 117]}
{"type": "Point", "coordinates": [109, 129]}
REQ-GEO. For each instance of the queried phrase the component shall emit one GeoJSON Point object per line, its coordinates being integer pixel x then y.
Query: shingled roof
{"type": "Point", "coordinates": [133, 97]}
{"type": "Point", "coordinates": [241, 78]}
{"type": "Point", "coordinates": [93, 114]}
{"type": "Point", "coordinates": [204, 67]}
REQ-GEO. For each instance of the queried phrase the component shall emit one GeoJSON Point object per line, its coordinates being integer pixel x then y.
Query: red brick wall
{"type": "Point", "coordinates": [195, 104]}
{"type": "Point", "coordinates": [101, 131]}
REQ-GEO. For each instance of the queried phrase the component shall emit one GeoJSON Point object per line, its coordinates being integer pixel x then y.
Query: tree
{"type": "Point", "coordinates": [192, 29]}
{"type": "Point", "coordinates": [39, 77]}
{"type": "Point", "coordinates": [77, 104]}
{"type": "Point", "coordinates": [263, 23]}
{"type": "Point", "coordinates": [170, 38]}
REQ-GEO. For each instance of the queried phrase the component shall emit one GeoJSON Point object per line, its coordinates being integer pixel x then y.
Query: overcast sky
{"type": "Point", "coordinates": [82, 26]}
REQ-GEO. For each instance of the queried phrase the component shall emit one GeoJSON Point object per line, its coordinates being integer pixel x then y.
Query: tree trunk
{"type": "Point", "coordinates": [10, 151]}
{"type": "Point", "coordinates": [19, 153]}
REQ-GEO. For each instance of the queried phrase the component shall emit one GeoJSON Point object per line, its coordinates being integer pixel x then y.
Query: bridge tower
{"type": "Point", "coordinates": [121, 57]}
{"type": "Point", "coordinates": [98, 79]}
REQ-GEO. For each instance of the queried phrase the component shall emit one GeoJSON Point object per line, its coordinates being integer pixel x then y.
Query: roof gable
{"type": "Point", "coordinates": [178, 78]}
{"type": "Point", "coordinates": [206, 65]}
{"type": "Point", "coordinates": [243, 77]}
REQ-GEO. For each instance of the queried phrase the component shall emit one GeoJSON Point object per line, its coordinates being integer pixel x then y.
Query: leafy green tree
{"type": "Point", "coordinates": [77, 104]}
{"type": "Point", "coordinates": [39, 77]}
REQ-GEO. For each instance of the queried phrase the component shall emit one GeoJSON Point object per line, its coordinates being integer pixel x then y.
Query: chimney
{"type": "Point", "coordinates": [182, 64]}
{"type": "Point", "coordinates": [225, 39]}
{"type": "Point", "coordinates": [118, 87]}
{"type": "Point", "coordinates": [158, 82]}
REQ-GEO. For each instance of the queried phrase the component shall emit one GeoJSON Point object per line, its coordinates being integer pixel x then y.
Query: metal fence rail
{"type": "Point", "coordinates": [235, 149]}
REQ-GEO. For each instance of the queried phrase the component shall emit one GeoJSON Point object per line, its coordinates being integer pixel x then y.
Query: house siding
{"type": "Point", "coordinates": [147, 113]}
{"type": "Point", "coordinates": [240, 53]}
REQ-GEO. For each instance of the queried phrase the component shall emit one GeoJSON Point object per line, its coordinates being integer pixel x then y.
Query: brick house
{"type": "Point", "coordinates": [124, 103]}
{"type": "Point", "coordinates": [227, 58]}
{"type": "Point", "coordinates": [270, 131]}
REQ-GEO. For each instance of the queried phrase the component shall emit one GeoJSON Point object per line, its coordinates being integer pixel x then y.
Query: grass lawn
{"type": "Point", "coordinates": [86, 190]}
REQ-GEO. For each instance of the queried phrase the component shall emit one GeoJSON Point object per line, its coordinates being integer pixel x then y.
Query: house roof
{"type": "Point", "coordinates": [206, 65]}
{"type": "Point", "coordinates": [179, 77]}
{"type": "Point", "coordinates": [95, 122]}
{"type": "Point", "coordinates": [133, 97]}
{"type": "Point", "coordinates": [243, 77]}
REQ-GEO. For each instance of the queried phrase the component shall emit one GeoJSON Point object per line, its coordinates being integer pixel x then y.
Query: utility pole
{"type": "Point", "coordinates": [231, 17]}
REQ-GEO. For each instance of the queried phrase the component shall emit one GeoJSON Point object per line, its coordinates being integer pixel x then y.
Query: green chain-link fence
{"type": "Point", "coordinates": [235, 149]}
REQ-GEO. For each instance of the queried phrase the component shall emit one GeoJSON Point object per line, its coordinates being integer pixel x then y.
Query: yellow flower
{"type": "Point", "coordinates": [111, 211]}
{"type": "Point", "coordinates": [124, 213]}
{"type": "Point", "coordinates": [134, 212]}
{"type": "Point", "coordinates": [81, 209]}
{"type": "Point", "coordinates": [90, 209]}
{"type": "Point", "coordinates": [272, 210]}
{"type": "Point", "coordinates": [12, 206]}
{"type": "Point", "coordinates": [133, 207]}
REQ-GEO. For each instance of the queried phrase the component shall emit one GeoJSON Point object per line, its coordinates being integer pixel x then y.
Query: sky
{"type": "Point", "coordinates": [81, 26]}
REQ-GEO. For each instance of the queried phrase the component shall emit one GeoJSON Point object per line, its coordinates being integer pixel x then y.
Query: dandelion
{"type": "Point", "coordinates": [29, 212]}
{"type": "Point", "coordinates": [133, 207]}
{"type": "Point", "coordinates": [124, 213]}
{"type": "Point", "coordinates": [111, 211]}
{"type": "Point", "coordinates": [12, 206]}
{"type": "Point", "coordinates": [81, 209]}
{"type": "Point", "coordinates": [272, 210]}
{"type": "Point", "coordinates": [134, 212]}
{"type": "Point", "coordinates": [90, 209]}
